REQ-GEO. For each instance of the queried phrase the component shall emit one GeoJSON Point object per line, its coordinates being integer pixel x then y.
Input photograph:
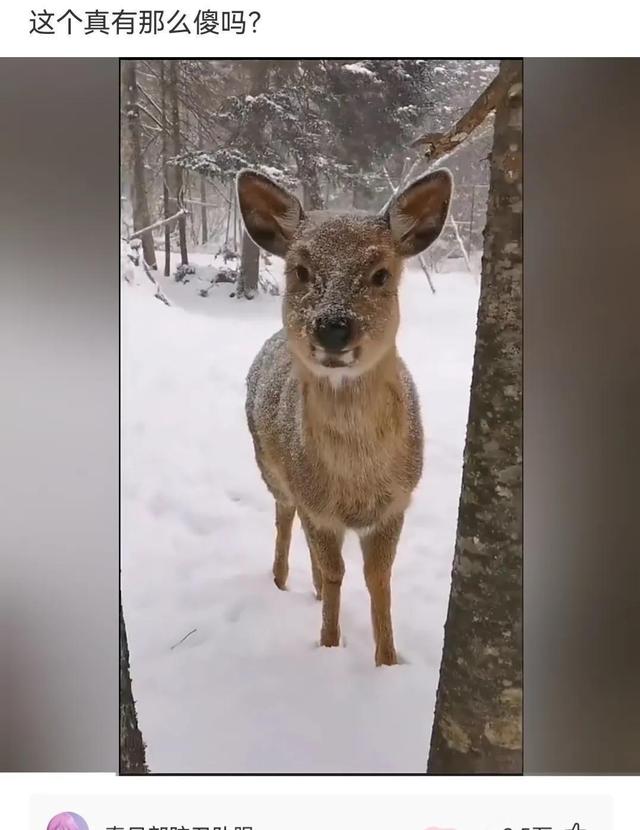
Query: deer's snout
{"type": "Point", "coordinates": [334, 333]}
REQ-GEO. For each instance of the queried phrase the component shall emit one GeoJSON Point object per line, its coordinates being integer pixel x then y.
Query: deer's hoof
{"type": "Point", "coordinates": [280, 582]}
{"type": "Point", "coordinates": [386, 657]}
{"type": "Point", "coordinates": [330, 639]}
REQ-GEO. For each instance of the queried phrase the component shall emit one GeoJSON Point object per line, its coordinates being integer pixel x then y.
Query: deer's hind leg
{"type": "Point", "coordinates": [284, 521]}
{"type": "Point", "coordinates": [316, 573]}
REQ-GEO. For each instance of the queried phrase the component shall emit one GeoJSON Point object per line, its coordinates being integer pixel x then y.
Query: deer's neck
{"type": "Point", "coordinates": [358, 411]}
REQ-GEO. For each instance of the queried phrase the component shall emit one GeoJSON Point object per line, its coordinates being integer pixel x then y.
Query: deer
{"type": "Point", "coordinates": [331, 407]}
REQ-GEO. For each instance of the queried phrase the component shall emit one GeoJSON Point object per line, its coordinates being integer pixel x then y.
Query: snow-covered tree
{"type": "Point", "coordinates": [339, 132]}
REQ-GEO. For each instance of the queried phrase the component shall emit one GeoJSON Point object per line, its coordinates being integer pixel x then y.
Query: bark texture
{"type": "Point", "coordinates": [478, 717]}
{"type": "Point", "coordinates": [132, 748]}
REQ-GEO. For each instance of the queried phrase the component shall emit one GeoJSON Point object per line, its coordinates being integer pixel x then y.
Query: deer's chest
{"type": "Point", "coordinates": [356, 478]}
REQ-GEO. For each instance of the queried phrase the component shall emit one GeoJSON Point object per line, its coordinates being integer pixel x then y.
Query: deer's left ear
{"type": "Point", "coordinates": [270, 213]}
{"type": "Point", "coordinates": [417, 214]}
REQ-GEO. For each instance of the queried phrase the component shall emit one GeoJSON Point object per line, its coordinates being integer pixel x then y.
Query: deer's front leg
{"type": "Point", "coordinates": [379, 550]}
{"type": "Point", "coordinates": [284, 520]}
{"type": "Point", "coordinates": [326, 546]}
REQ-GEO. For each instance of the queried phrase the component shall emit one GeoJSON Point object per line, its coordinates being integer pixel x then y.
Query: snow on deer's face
{"type": "Point", "coordinates": [343, 270]}
{"type": "Point", "coordinates": [341, 303]}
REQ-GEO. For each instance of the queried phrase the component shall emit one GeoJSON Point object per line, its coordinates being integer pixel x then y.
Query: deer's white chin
{"type": "Point", "coordinates": [337, 369]}
{"type": "Point", "coordinates": [330, 360]}
{"type": "Point", "coordinates": [337, 375]}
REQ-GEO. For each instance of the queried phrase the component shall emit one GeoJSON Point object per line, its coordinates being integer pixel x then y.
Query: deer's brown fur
{"type": "Point", "coordinates": [337, 432]}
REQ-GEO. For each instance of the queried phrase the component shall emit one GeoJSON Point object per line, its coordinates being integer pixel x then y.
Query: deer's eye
{"type": "Point", "coordinates": [302, 273]}
{"type": "Point", "coordinates": [380, 276]}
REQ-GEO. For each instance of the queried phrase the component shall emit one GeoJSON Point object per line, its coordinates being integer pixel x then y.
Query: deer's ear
{"type": "Point", "coordinates": [271, 214]}
{"type": "Point", "coordinates": [417, 214]}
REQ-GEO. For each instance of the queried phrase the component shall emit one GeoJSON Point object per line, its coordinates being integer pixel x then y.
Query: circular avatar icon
{"type": "Point", "coordinates": [67, 821]}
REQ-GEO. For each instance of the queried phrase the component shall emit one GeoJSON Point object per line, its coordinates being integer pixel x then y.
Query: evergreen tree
{"type": "Point", "coordinates": [337, 131]}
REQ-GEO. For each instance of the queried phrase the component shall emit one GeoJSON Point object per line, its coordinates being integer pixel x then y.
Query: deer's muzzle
{"type": "Point", "coordinates": [334, 333]}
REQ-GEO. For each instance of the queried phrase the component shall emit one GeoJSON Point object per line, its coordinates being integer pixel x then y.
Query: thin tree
{"type": "Point", "coordinates": [165, 170]}
{"type": "Point", "coordinates": [478, 716]}
{"type": "Point", "coordinates": [203, 193]}
{"type": "Point", "coordinates": [132, 748]}
{"type": "Point", "coordinates": [248, 274]}
{"type": "Point", "coordinates": [141, 218]}
{"type": "Point", "coordinates": [177, 148]}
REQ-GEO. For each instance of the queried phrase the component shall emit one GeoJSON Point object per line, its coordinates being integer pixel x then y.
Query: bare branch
{"type": "Point", "coordinates": [193, 631]}
{"type": "Point", "coordinates": [437, 145]}
{"type": "Point", "coordinates": [394, 187]}
{"type": "Point", "coordinates": [149, 114]}
{"type": "Point", "coordinates": [150, 100]}
{"type": "Point", "coordinates": [202, 204]}
{"type": "Point", "coordinates": [160, 223]}
{"type": "Point", "coordinates": [454, 225]}
{"type": "Point", "coordinates": [423, 264]}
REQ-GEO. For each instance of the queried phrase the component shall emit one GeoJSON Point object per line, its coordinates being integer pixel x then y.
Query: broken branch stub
{"type": "Point", "coordinates": [437, 145]}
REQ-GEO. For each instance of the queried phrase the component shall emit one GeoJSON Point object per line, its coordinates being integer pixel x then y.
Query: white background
{"type": "Point", "coordinates": [315, 812]}
{"type": "Point", "coordinates": [334, 28]}
{"type": "Point", "coordinates": [419, 803]}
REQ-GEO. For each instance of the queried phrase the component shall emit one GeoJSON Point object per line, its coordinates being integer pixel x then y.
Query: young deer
{"type": "Point", "coordinates": [331, 407]}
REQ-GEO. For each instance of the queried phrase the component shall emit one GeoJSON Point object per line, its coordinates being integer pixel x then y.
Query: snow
{"type": "Point", "coordinates": [226, 669]}
{"type": "Point", "coordinates": [273, 172]}
{"type": "Point", "coordinates": [358, 69]}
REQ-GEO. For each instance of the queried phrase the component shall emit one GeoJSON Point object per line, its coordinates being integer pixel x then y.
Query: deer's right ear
{"type": "Point", "coordinates": [417, 214]}
{"type": "Point", "coordinates": [270, 213]}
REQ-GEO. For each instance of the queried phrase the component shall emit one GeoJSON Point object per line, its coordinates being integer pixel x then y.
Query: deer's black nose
{"type": "Point", "coordinates": [334, 333]}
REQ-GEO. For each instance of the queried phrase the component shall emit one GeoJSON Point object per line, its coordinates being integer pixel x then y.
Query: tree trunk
{"type": "Point", "coordinates": [204, 225]}
{"type": "Point", "coordinates": [311, 195]}
{"type": "Point", "coordinates": [249, 269]}
{"type": "Point", "coordinates": [165, 171]}
{"type": "Point", "coordinates": [141, 216]}
{"type": "Point", "coordinates": [311, 192]}
{"type": "Point", "coordinates": [361, 195]}
{"type": "Point", "coordinates": [478, 717]}
{"type": "Point", "coordinates": [235, 223]}
{"type": "Point", "coordinates": [471, 214]}
{"type": "Point", "coordinates": [229, 209]}
{"type": "Point", "coordinates": [132, 748]}
{"type": "Point", "coordinates": [203, 195]}
{"type": "Point", "coordinates": [247, 284]}
{"type": "Point", "coordinates": [177, 146]}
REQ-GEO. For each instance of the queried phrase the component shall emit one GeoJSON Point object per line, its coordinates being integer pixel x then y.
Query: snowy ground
{"type": "Point", "coordinates": [249, 690]}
